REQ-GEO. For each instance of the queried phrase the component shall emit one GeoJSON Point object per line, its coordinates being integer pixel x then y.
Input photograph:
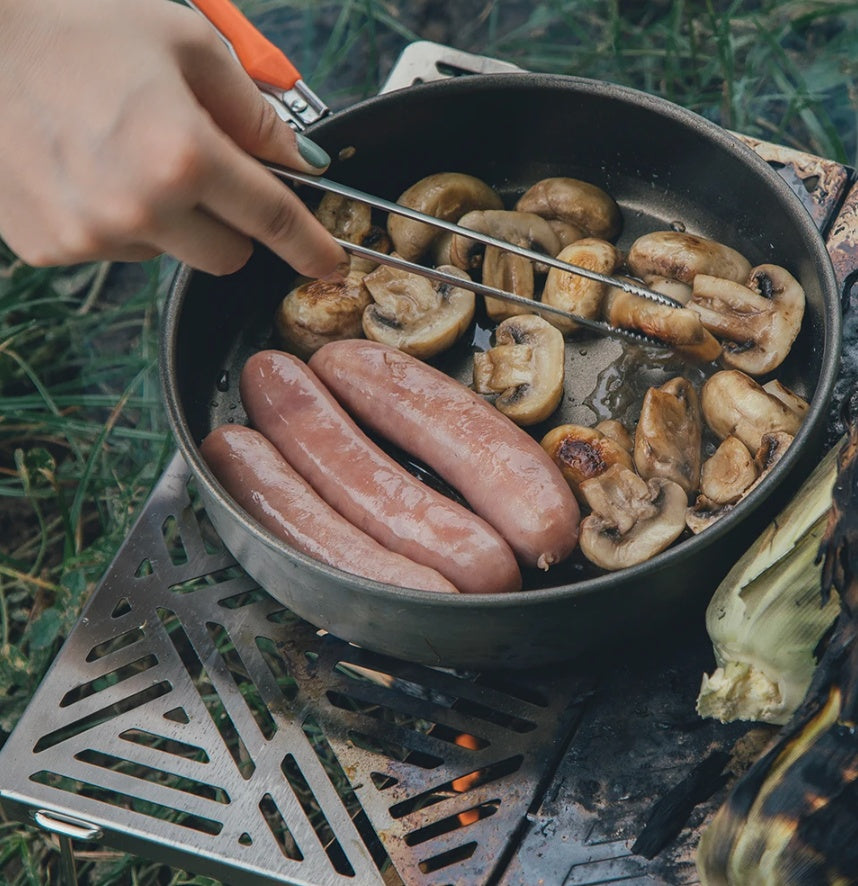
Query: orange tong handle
{"type": "Point", "coordinates": [258, 56]}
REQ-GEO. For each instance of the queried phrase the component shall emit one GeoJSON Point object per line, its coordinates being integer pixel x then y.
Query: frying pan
{"type": "Point", "coordinates": [666, 167]}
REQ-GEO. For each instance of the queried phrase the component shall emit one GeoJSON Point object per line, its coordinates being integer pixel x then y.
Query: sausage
{"type": "Point", "coordinates": [257, 476]}
{"type": "Point", "coordinates": [504, 474]}
{"type": "Point", "coordinates": [288, 404]}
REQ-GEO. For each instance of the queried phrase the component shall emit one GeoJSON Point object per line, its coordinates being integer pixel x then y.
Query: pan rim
{"type": "Point", "coordinates": [641, 573]}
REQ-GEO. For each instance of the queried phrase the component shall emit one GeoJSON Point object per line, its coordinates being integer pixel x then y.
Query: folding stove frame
{"type": "Point", "coordinates": [190, 718]}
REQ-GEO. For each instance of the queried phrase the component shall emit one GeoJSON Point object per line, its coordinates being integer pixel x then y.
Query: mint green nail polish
{"type": "Point", "coordinates": [311, 152]}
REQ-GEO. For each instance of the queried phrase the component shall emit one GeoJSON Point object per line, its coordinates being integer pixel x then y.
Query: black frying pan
{"type": "Point", "coordinates": [664, 165]}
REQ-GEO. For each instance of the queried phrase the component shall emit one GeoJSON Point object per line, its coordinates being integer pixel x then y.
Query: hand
{"type": "Point", "coordinates": [128, 129]}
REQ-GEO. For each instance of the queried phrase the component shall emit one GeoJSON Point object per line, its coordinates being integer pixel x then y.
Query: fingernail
{"type": "Point", "coordinates": [317, 157]}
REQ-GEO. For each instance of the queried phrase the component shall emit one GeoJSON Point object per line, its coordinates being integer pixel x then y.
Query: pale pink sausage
{"type": "Point", "coordinates": [257, 476]}
{"type": "Point", "coordinates": [293, 409]}
{"type": "Point", "coordinates": [502, 472]}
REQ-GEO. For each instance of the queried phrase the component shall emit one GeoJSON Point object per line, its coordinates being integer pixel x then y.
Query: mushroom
{"type": "Point", "coordinates": [632, 519]}
{"type": "Point", "coordinates": [735, 404]}
{"type": "Point", "coordinates": [502, 269]}
{"type": "Point", "coordinates": [726, 475]}
{"type": "Point", "coordinates": [680, 328]}
{"type": "Point", "coordinates": [681, 256]}
{"type": "Point", "coordinates": [669, 434]}
{"type": "Point", "coordinates": [617, 432]}
{"type": "Point", "coordinates": [581, 453]}
{"type": "Point", "coordinates": [675, 289]}
{"type": "Point", "coordinates": [574, 293]}
{"type": "Point", "coordinates": [567, 232]}
{"type": "Point", "coordinates": [351, 220]}
{"type": "Point", "coordinates": [577, 202]}
{"type": "Point", "coordinates": [318, 311]}
{"type": "Point", "coordinates": [759, 320]}
{"type": "Point", "coordinates": [525, 369]}
{"type": "Point", "coordinates": [444, 195]}
{"type": "Point", "coordinates": [706, 509]}
{"type": "Point", "coordinates": [788, 397]}
{"type": "Point", "coordinates": [419, 316]}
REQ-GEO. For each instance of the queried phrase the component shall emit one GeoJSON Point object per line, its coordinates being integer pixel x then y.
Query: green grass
{"type": "Point", "coordinates": [82, 433]}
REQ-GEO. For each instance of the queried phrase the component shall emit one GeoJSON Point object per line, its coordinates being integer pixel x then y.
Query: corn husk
{"type": "Point", "coordinates": [767, 617]}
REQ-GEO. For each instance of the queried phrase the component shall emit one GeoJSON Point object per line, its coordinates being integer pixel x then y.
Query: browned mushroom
{"type": "Point", "coordinates": [757, 322]}
{"type": "Point", "coordinates": [681, 256]}
{"type": "Point", "coordinates": [617, 432]}
{"type": "Point", "coordinates": [678, 327]}
{"type": "Point", "coordinates": [574, 293]}
{"type": "Point", "coordinates": [582, 453]}
{"type": "Point", "coordinates": [632, 519]}
{"type": "Point", "coordinates": [444, 195]}
{"type": "Point", "coordinates": [318, 311]}
{"type": "Point", "coordinates": [351, 220]}
{"type": "Point", "coordinates": [417, 315]}
{"type": "Point", "coordinates": [669, 434]}
{"type": "Point", "coordinates": [525, 369]}
{"type": "Point", "coordinates": [735, 404]}
{"type": "Point", "coordinates": [707, 510]}
{"type": "Point", "coordinates": [502, 269]}
{"type": "Point", "coordinates": [574, 201]}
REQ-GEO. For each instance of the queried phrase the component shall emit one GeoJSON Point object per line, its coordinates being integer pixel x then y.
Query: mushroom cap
{"type": "Point", "coordinates": [632, 519]}
{"type": "Point", "coordinates": [757, 321]}
{"type": "Point", "coordinates": [444, 195]}
{"type": "Point", "coordinates": [518, 228]}
{"type": "Point", "coordinates": [512, 273]}
{"type": "Point", "coordinates": [574, 293]}
{"type": "Point", "coordinates": [419, 316]}
{"type": "Point", "coordinates": [681, 256]}
{"type": "Point", "coordinates": [707, 511]}
{"type": "Point", "coordinates": [318, 311]}
{"type": "Point", "coordinates": [728, 472]}
{"type": "Point", "coordinates": [680, 328]}
{"type": "Point", "coordinates": [616, 430]}
{"type": "Point", "coordinates": [576, 202]}
{"type": "Point", "coordinates": [669, 434]}
{"type": "Point", "coordinates": [525, 369]}
{"type": "Point", "coordinates": [735, 404]}
{"type": "Point", "coordinates": [581, 453]}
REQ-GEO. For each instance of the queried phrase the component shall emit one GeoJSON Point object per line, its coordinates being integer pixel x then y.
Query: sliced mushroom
{"type": "Point", "coordinates": [444, 195]}
{"type": "Point", "coordinates": [351, 220]}
{"type": "Point", "coordinates": [317, 311]}
{"type": "Point", "coordinates": [575, 293]}
{"type": "Point", "coordinates": [735, 404]}
{"type": "Point", "coordinates": [669, 434]}
{"type": "Point", "coordinates": [675, 289]}
{"type": "Point", "coordinates": [582, 453]}
{"type": "Point", "coordinates": [632, 519]}
{"type": "Point", "coordinates": [788, 397]}
{"type": "Point", "coordinates": [567, 232]}
{"type": "Point", "coordinates": [759, 320]}
{"type": "Point", "coordinates": [617, 432]}
{"type": "Point", "coordinates": [574, 201]}
{"type": "Point", "coordinates": [707, 511]}
{"type": "Point", "coordinates": [525, 369]}
{"type": "Point", "coordinates": [680, 328]}
{"type": "Point", "coordinates": [728, 472]}
{"type": "Point", "coordinates": [502, 269]}
{"type": "Point", "coordinates": [419, 316]}
{"type": "Point", "coordinates": [682, 257]}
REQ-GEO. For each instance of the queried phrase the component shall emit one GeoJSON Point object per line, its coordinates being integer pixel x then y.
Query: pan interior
{"type": "Point", "coordinates": [666, 169]}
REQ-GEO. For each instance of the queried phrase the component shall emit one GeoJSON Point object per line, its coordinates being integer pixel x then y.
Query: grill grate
{"type": "Point", "coordinates": [190, 709]}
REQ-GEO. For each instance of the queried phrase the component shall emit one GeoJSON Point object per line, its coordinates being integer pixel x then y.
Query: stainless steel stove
{"type": "Point", "coordinates": [191, 719]}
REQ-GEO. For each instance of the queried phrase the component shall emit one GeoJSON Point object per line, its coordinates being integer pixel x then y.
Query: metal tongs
{"type": "Point", "coordinates": [296, 103]}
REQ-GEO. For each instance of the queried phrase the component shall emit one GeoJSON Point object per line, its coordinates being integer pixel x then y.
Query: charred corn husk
{"type": "Point", "coordinates": [766, 618]}
{"type": "Point", "coordinates": [792, 819]}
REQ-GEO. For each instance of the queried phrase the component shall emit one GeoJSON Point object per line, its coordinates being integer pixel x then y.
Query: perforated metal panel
{"type": "Point", "coordinates": [189, 710]}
